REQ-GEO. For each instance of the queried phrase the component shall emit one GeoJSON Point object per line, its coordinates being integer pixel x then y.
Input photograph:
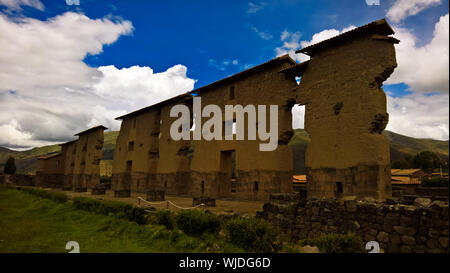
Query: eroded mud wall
{"type": "Point", "coordinates": [258, 173]}
{"type": "Point", "coordinates": [345, 116]}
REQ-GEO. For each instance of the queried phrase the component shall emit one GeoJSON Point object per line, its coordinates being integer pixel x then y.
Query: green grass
{"type": "Point", "coordinates": [32, 224]}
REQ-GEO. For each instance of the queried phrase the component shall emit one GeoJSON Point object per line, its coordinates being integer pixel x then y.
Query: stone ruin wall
{"type": "Point", "coordinates": [345, 115]}
{"type": "Point", "coordinates": [414, 227]}
{"type": "Point", "coordinates": [271, 170]}
{"type": "Point", "coordinates": [157, 162]}
{"type": "Point", "coordinates": [86, 171]}
{"type": "Point", "coordinates": [68, 151]}
{"type": "Point", "coordinates": [49, 171]}
{"type": "Point", "coordinates": [77, 167]}
{"type": "Point", "coordinates": [162, 163]}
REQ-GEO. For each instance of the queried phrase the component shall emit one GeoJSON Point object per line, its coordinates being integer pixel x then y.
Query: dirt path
{"type": "Point", "coordinates": [245, 208]}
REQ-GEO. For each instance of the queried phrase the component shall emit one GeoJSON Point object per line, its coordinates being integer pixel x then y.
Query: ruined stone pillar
{"type": "Point", "coordinates": [346, 113]}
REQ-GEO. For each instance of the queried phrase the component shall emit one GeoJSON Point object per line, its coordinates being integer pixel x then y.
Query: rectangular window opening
{"type": "Point", "coordinates": [232, 94]}
{"type": "Point", "coordinates": [339, 188]}
{"type": "Point", "coordinates": [129, 166]}
{"type": "Point", "coordinates": [131, 146]}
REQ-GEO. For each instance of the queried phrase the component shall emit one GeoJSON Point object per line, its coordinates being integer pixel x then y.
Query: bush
{"type": "Point", "coordinates": [336, 243]}
{"type": "Point", "coordinates": [118, 209]}
{"type": "Point", "coordinates": [436, 181]}
{"type": "Point", "coordinates": [251, 234]}
{"type": "Point", "coordinates": [55, 196]}
{"type": "Point", "coordinates": [165, 218]}
{"type": "Point", "coordinates": [195, 222]}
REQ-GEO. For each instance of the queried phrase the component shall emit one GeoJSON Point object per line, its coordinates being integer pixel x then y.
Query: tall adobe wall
{"type": "Point", "coordinates": [345, 116]}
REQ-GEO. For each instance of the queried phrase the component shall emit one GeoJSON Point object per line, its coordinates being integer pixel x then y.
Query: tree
{"type": "Point", "coordinates": [10, 166]}
{"type": "Point", "coordinates": [426, 160]}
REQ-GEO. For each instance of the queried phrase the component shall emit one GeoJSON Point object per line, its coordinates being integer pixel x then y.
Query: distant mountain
{"type": "Point", "coordinates": [400, 147]}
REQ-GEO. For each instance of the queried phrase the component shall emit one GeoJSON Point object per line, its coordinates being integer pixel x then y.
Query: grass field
{"type": "Point", "coordinates": [31, 224]}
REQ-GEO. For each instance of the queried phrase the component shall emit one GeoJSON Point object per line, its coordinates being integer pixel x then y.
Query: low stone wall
{"type": "Point", "coordinates": [397, 227]}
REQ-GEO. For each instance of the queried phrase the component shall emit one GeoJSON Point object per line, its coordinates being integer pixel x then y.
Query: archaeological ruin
{"type": "Point", "coordinates": [340, 87]}
{"type": "Point", "coordinates": [345, 114]}
{"type": "Point", "coordinates": [77, 167]}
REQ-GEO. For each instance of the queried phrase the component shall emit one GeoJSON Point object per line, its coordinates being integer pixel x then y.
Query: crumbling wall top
{"type": "Point", "coordinates": [380, 28]}
{"type": "Point", "coordinates": [92, 129]}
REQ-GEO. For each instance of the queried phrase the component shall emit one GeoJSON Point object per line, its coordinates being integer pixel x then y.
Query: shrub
{"type": "Point", "coordinates": [251, 234]}
{"type": "Point", "coordinates": [118, 209]}
{"type": "Point", "coordinates": [195, 222]}
{"type": "Point", "coordinates": [336, 243]}
{"type": "Point", "coordinates": [436, 181]}
{"type": "Point", "coordinates": [58, 197]}
{"type": "Point", "coordinates": [165, 218]}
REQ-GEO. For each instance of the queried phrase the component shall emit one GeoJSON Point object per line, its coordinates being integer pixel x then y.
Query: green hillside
{"type": "Point", "coordinates": [26, 161]}
{"type": "Point", "coordinates": [400, 146]}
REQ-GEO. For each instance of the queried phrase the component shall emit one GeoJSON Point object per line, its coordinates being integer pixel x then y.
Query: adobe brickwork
{"type": "Point", "coordinates": [345, 116]}
{"type": "Point", "coordinates": [77, 166]}
{"type": "Point", "coordinates": [346, 113]}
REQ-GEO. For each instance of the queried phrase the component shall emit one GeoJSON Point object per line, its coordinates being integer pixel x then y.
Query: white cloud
{"type": "Point", "coordinates": [255, 7]}
{"type": "Point", "coordinates": [325, 34]}
{"type": "Point", "coordinates": [263, 35]}
{"type": "Point", "coordinates": [425, 68]}
{"type": "Point", "coordinates": [404, 8]}
{"type": "Point", "coordinates": [16, 4]}
{"type": "Point", "coordinates": [12, 133]}
{"type": "Point", "coordinates": [55, 94]}
{"type": "Point", "coordinates": [222, 65]}
{"type": "Point", "coordinates": [298, 117]}
{"type": "Point", "coordinates": [291, 42]}
{"type": "Point", "coordinates": [419, 115]}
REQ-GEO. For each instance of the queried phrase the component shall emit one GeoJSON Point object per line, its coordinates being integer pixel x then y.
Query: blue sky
{"type": "Point", "coordinates": [214, 39]}
{"type": "Point", "coordinates": [167, 33]}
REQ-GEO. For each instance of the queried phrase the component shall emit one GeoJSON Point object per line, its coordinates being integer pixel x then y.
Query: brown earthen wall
{"type": "Point", "coordinates": [345, 116]}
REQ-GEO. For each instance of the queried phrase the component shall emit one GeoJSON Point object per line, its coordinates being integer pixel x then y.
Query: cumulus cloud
{"type": "Point", "coordinates": [16, 4]}
{"type": "Point", "coordinates": [423, 68]}
{"type": "Point", "coordinates": [404, 8]}
{"type": "Point", "coordinates": [47, 92]}
{"type": "Point", "coordinates": [419, 115]}
{"type": "Point", "coordinates": [298, 116]}
{"type": "Point", "coordinates": [291, 42]}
